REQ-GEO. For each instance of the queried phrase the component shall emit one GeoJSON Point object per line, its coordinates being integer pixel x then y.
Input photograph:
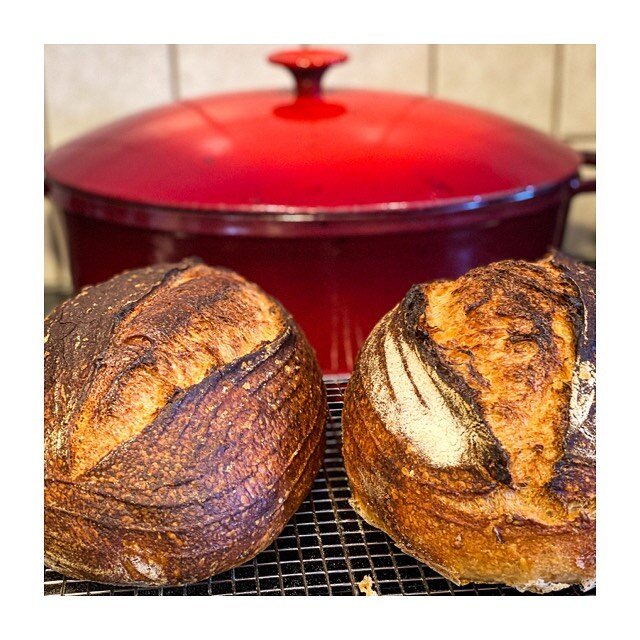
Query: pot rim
{"type": "Point", "coordinates": [257, 213]}
{"type": "Point", "coordinates": [284, 221]}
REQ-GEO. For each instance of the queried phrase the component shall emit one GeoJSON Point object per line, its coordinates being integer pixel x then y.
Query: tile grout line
{"type": "Point", "coordinates": [174, 71]}
{"type": "Point", "coordinates": [432, 69]}
{"type": "Point", "coordinates": [47, 125]}
{"type": "Point", "coordinates": [556, 88]}
{"type": "Point", "coordinates": [47, 118]}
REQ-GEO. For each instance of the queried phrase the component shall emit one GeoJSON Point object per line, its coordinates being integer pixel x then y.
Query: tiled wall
{"type": "Point", "coordinates": [550, 87]}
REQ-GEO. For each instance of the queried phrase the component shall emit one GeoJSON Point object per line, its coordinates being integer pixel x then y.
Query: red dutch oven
{"type": "Point", "coordinates": [333, 201]}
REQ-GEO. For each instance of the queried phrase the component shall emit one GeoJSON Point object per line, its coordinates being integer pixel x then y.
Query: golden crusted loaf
{"type": "Point", "coordinates": [184, 425]}
{"type": "Point", "coordinates": [469, 425]}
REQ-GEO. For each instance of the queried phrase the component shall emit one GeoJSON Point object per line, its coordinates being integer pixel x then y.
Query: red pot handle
{"type": "Point", "coordinates": [579, 184]}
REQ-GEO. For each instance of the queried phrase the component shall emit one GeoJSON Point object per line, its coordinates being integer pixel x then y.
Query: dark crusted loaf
{"type": "Point", "coordinates": [469, 425]}
{"type": "Point", "coordinates": [184, 425]}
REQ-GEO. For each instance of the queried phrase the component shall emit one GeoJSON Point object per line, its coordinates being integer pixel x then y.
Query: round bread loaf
{"type": "Point", "coordinates": [469, 425]}
{"type": "Point", "coordinates": [184, 425]}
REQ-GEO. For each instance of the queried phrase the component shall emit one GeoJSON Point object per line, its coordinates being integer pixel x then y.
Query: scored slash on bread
{"type": "Point", "coordinates": [184, 425]}
{"type": "Point", "coordinates": [469, 425]}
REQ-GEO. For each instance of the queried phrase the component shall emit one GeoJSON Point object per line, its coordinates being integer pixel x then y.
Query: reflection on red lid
{"type": "Point", "coordinates": [309, 150]}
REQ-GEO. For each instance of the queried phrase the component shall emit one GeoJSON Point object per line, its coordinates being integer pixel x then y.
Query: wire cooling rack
{"type": "Point", "coordinates": [325, 549]}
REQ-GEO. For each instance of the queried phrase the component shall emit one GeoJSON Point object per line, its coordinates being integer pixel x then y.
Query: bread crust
{"type": "Point", "coordinates": [469, 425]}
{"type": "Point", "coordinates": [184, 425]}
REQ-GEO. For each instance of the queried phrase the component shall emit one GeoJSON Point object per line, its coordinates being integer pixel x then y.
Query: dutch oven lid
{"type": "Point", "coordinates": [311, 150]}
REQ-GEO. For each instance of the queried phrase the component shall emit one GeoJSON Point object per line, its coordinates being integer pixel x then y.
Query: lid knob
{"type": "Point", "coordinates": [308, 67]}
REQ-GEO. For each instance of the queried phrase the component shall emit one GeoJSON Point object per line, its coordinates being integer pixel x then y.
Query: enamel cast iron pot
{"type": "Point", "coordinates": [334, 202]}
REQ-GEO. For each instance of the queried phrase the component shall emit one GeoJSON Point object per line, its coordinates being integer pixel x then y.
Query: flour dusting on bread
{"type": "Point", "coordinates": [469, 425]}
{"type": "Point", "coordinates": [411, 403]}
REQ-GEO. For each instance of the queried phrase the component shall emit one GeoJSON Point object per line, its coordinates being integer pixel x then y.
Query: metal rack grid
{"type": "Point", "coordinates": [325, 549]}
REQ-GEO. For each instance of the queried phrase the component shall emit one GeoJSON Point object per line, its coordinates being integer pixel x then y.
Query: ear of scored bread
{"type": "Point", "coordinates": [530, 302]}
{"type": "Point", "coordinates": [575, 471]}
{"type": "Point", "coordinates": [469, 424]}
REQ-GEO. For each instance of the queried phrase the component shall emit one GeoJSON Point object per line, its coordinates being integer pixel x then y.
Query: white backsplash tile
{"type": "Point", "coordinates": [578, 94]}
{"type": "Point", "coordinates": [90, 85]}
{"type": "Point", "coordinates": [212, 68]}
{"type": "Point", "coordinates": [402, 67]}
{"type": "Point", "coordinates": [512, 80]}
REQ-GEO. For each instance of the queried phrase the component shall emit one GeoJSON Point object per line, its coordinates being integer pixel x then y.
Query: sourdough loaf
{"type": "Point", "coordinates": [184, 425]}
{"type": "Point", "coordinates": [469, 425]}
